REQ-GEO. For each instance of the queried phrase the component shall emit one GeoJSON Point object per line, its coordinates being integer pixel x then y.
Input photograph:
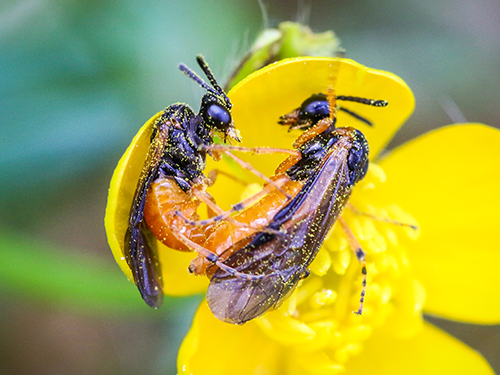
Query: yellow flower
{"type": "Point", "coordinates": [443, 181]}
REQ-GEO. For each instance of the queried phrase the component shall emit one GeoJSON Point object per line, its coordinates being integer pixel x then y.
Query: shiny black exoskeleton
{"type": "Point", "coordinates": [331, 162]}
{"type": "Point", "coordinates": [314, 151]}
{"type": "Point", "coordinates": [317, 107]}
{"type": "Point", "coordinates": [176, 150]}
{"type": "Point", "coordinates": [183, 157]}
{"type": "Point", "coordinates": [334, 162]}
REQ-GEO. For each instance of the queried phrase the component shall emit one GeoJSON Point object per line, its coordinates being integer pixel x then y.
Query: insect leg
{"type": "Point", "coordinates": [360, 255]}
{"type": "Point", "coordinates": [319, 128]}
{"type": "Point", "coordinates": [215, 259]}
{"type": "Point", "coordinates": [382, 219]}
{"type": "Point", "coordinates": [249, 167]}
{"type": "Point", "coordinates": [235, 208]}
{"type": "Point", "coordinates": [332, 100]}
{"type": "Point", "coordinates": [216, 210]}
{"type": "Point", "coordinates": [214, 173]}
{"type": "Point", "coordinates": [210, 202]}
{"type": "Point", "coordinates": [294, 157]}
{"type": "Point", "coordinates": [255, 150]}
{"type": "Point", "coordinates": [210, 179]}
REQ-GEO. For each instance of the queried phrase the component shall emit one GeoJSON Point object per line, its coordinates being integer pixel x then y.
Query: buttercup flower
{"type": "Point", "coordinates": [445, 182]}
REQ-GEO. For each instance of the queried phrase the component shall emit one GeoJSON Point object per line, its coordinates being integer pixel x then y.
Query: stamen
{"type": "Point", "coordinates": [323, 302]}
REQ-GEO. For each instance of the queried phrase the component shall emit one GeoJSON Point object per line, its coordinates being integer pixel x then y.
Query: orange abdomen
{"type": "Point", "coordinates": [164, 199]}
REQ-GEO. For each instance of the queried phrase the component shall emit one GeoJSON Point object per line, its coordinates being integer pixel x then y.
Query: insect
{"type": "Point", "coordinates": [175, 154]}
{"type": "Point", "coordinates": [178, 174]}
{"type": "Point", "coordinates": [317, 107]}
{"type": "Point", "coordinates": [330, 162]}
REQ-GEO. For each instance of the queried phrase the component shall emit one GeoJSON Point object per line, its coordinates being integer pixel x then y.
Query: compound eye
{"type": "Point", "coordinates": [357, 162]}
{"type": "Point", "coordinates": [315, 108]}
{"type": "Point", "coordinates": [217, 116]}
{"type": "Point", "coordinates": [355, 157]}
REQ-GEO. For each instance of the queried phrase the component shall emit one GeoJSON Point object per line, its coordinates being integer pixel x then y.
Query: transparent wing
{"type": "Point", "coordinates": [280, 261]}
{"type": "Point", "coordinates": [140, 252]}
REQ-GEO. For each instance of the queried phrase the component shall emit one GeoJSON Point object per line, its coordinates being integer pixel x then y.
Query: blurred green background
{"type": "Point", "coordinates": [77, 80]}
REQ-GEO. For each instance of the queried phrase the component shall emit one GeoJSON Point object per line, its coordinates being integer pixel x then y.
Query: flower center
{"type": "Point", "coordinates": [318, 320]}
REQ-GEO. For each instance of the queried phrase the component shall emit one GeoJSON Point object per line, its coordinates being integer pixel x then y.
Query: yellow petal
{"type": "Point", "coordinates": [449, 181]}
{"type": "Point", "coordinates": [315, 363]}
{"type": "Point", "coordinates": [258, 101]}
{"type": "Point", "coordinates": [429, 352]}
{"type": "Point", "coordinates": [121, 192]}
{"type": "Point", "coordinates": [176, 279]}
{"type": "Point", "coordinates": [262, 97]}
{"type": "Point", "coordinates": [215, 347]}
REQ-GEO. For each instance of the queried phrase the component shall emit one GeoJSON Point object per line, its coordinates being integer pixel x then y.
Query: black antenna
{"type": "Point", "coordinates": [372, 102]}
{"type": "Point", "coordinates": [356, 116]}
{"type": "Point", "coordinates": [215, 89]}
{"type": "Point", "coordinates": [357, 99]}
{"type": "Point", "coordinates": [206, 69]}
{"type": "Point", "coordinates": [195, 77]}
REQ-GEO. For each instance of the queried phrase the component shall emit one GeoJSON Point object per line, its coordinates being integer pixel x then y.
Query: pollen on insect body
{"type": "Point", "coordinates": [323, 303]}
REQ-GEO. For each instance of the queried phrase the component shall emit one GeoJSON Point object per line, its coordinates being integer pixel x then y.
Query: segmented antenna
{"type": "Point", "coordinates": [356, 116]}
{"type": "Point", "coordinates": [356, 99]}
{"type": "Point", "coordinates": [371, 102]}
{"type": "Point", "coordinates": [195, 77]}
{"type": "Point", "coordinates": [206, 69]}
{"type": "Point", "coordinates": [215, 88]}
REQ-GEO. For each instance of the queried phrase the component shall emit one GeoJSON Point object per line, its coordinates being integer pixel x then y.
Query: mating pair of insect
{"type": "Point", "coordinates": [256, 253]}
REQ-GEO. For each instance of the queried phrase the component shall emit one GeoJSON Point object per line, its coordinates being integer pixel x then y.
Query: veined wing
{"type": "Point", "coordinates": [139, 252]}
{"type": "Point", "coordinates": [284, 258]}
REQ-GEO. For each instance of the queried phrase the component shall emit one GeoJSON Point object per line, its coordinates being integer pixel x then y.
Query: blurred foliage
{"type": "Point", "coordinates": [74, 281]}
{"type": "Point", "coordinates": [289, 39]}
{"type": "Point", "coordinates": [78, 78]}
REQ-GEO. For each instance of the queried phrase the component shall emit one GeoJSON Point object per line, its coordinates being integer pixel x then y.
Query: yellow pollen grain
{"type": "Point", "coordinates": [357, 228]}
{"type": "Point", "coordinates": [310, 316]}
{"type": "Point", "coordinates": [307, 289]}
{"type": "Point", "coordinates": [368, 227]}
{"type": "Point", "coordinates": [378, 244]}
{"type": "Point", "coordinates": [336, 241]}
{"type": "Point", "coordinates": [387, 264]}
{"type": "Point", "coordinates": [404, 260]}
{"type": "Point", "coordinates": [369, 186]}
{"type": "Point", "coordinates": [322, 263]}
{"type": "Point", "coordinates": [286, 330]}
{"type": "Point", "coordinates": [391, 237]}
{"type": "Point", "coordinates": [344, 353]}
{"type": "Point", "coordinates": [290, 306]}
{"type": "Point", "coordinates": [377, 173]}
{"type": "Point", "coordinates": [322, 298]}
{"type": "Point", "coordinates": [419, 295]}
{"type": "Point", "coordinates": [341, 262]}
{"type": "Point", "coordinates": [385, 294]}
{"type": "Point", "coordinates": [324, 332]}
